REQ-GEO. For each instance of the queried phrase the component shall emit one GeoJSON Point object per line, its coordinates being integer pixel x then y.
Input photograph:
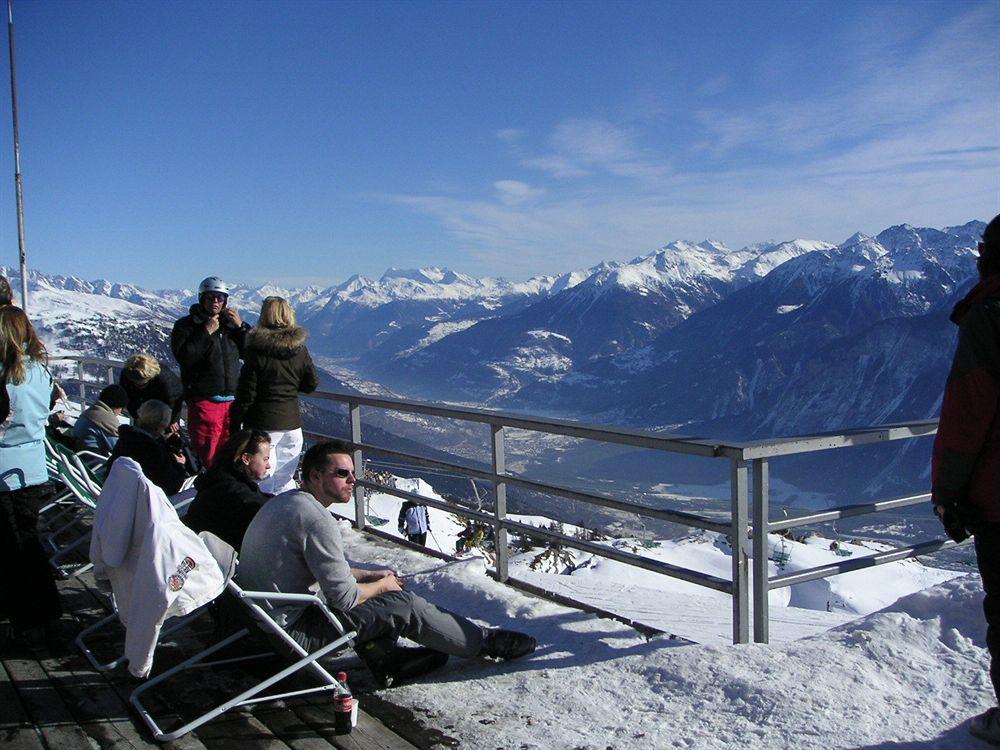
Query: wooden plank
{"type": "Point", "coordinates": [45, 707]}
{"type": "Point", "coordinates": [369, 734]}
{"type": "Point", "coordinates": [20, 738]}
{"type": "Point", "coordinates": [236, 730]}
{"type": "Point", "coordinates": [100, 701]}
{"type": "Point", "coordinates": [290, 728]}
{"type": "Point", "coordinates": [12, 713]}
{"type": "Point", "coordinates": [93, 702]}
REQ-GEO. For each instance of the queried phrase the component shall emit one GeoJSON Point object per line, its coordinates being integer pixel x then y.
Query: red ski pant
{"type": "Point", "coordinates": [208, 427]}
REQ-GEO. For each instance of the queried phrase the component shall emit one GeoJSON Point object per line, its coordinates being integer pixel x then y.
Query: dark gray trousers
{"type": "Point", "coordinates": [398, 614]}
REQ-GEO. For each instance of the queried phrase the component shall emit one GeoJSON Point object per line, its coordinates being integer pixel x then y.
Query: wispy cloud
{"type": "Point", "coordinates": [579, 147]}
{"type": "Point", "coordinates": [908, 132]}
{"type": "Point", "coordinates": [514, 192]}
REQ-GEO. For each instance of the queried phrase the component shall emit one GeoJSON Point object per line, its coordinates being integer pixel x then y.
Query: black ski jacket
{"type": "Point", "coordinates": [210, 363]}
{"type": "Point", "coordinates": [165, 387]}
{"type": "Point", "coordinates": [277, 369]}
{"type": "Point", "coordinates": [225, 504]}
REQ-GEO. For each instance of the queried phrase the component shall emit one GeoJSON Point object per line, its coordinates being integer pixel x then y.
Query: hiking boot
{"type": "Point", "coordinates": [507, 644]}
{"type": "Point", "coordinates": [986, 726]}
{"type": "Point", "coordinates": [391, 665]}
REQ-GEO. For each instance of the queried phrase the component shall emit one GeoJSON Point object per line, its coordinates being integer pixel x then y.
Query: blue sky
{"type": "Point", "coordinates": [303, 142]}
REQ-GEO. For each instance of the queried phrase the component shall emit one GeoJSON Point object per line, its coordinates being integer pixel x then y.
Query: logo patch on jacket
{"type": "Point", "coordinates": [176, 579]}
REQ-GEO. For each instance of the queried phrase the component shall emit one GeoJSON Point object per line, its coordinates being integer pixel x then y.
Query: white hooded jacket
{"type": "Point", "coordinates": [157, 566]}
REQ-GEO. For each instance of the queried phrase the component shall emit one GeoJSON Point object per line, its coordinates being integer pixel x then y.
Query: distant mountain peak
{"type": "Point", "coordinates": [431, 275]}
{"type": "Point", "coordinates": [858, 238]}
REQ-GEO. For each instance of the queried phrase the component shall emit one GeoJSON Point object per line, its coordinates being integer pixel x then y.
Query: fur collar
{"type": "Point", "coordinates": [277, 342]}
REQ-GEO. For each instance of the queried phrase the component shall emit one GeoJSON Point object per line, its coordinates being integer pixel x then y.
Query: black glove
{"type": "Point", "coordinates": [954, 521]}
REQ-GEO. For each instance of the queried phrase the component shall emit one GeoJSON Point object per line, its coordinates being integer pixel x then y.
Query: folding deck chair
{"type": "Point", "coordinates": [70, 509]}
{"type": "Point", "coordinates": [223, 558]}
{"type": "Point", "coordinates": [157, 567]}
{"type": "Point", "coordinates": [251, 603]}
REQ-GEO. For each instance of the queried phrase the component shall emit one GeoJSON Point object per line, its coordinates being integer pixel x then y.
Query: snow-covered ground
{"type": "Point", "coordinates": [907, 675]}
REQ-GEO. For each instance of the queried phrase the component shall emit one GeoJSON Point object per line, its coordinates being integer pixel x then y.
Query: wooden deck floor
{"type": "Point", "coordinates": [50, 697]}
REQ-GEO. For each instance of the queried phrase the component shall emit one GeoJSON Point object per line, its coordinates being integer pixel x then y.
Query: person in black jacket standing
{"type": "Point", "coordinates": [277, 369]}
{"type": "Point", "coordinates": [208, 344]}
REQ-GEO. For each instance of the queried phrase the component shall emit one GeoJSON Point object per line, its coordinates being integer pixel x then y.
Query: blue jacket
{"type": "Point", "coordinates": [89, 435]}
{"type": "Point", "coordinates": [22, 446]}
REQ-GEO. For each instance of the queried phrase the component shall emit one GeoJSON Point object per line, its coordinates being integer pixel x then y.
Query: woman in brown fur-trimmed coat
{"type": "Point", "coordinates": [276, 369]}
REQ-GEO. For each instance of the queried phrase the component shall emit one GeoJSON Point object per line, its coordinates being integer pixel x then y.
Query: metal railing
{"type": "Point", "coordinates": [746, 529]}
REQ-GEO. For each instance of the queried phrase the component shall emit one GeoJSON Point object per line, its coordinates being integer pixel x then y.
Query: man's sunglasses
{"type": "Point", "coordinates": [342, 473]}
{"type": "Point", "coordinates": [212, 297]}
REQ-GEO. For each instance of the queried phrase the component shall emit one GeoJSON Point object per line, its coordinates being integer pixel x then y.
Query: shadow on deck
{"type": "Point", "coordinates": [50, 697]}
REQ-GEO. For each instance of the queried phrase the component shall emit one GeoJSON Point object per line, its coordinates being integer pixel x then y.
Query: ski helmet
{"type": "Point", "coordinates": [213, 284]}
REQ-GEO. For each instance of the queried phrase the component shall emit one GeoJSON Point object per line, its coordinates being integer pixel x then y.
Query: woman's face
{"type": "Point", "coordinates": [256, 465]}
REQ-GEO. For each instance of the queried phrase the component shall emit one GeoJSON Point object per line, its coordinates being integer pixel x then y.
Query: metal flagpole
{"type": "Point", "coordinates": [17, 161]}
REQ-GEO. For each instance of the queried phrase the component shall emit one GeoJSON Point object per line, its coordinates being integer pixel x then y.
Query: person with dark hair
{"type": "Point", "coordinates": [97, 428]}
{"type": "Point", "coordinates": [414, 521]}
{"type": "Point", "coordinates": [28, 597]}
{"type": "Point", "coordinates": [228, 493]}
{"type": "Point", "coordinates": [145, 379]}
{"type": "Point", "coordinates": [965, 469]}
{"type": "Point", "coordinates": [6, 295]}
{"type": "Point", "coordinates": [208, 344]}
{"type": "Point", "coordinates": [294, 543]}
{"type": "Point", "coordinates": [276, 370]}
{"type": "Point", "coordinates": [144, 443]}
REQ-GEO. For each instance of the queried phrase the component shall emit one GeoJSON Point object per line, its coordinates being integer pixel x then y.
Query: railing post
{"type": "Point", "coordinates": [111, 375]}
{"type": "Point", "coordinates": [738, 536]}
{"type": "Point", "coordinates": [82, 388]}
{"type": "Point", "coordinates": [500, 509]}
{"type": "Point", "coordinates": [761, 613]}
{"type": "Point", "coordinates": [359, 463]}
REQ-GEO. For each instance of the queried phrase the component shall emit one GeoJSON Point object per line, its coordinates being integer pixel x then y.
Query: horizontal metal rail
{"type": "Point", "coordinates": [672, 516]}
{"type": "Point", "coordinates": [431, 463]}
{"type": "Point", "coordinates": [847, 511]}
{"type": "Point", "coordinates": [826, 441]}
{"type": "Point", "coordinates": [678, 517]}
{"type": "Point", "coordinates": [860, 563]}
{"type": "Point", "coordinates": [638, 561]}
{"type": "Point", "coordinates": [86, 361]}
{"type": "Point", "coordinates": [634, 438]}
{"type": "Point", "coordinates": [684, 574]}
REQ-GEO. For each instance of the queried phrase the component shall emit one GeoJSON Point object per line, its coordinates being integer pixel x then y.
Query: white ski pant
{"type": "Point", "coordinates": [286, 445]}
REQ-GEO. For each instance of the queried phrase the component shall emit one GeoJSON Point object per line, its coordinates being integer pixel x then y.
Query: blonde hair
{"type": "Point", "coordinates": [18, 341]}
{"type": "Point", "coordinates": [276, 313]}
{"type": "Point", "coordinates": [142, 367]}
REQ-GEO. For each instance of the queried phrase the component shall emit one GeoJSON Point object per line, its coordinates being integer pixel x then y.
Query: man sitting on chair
{"type": "Point", "coordinates": [294, 542]}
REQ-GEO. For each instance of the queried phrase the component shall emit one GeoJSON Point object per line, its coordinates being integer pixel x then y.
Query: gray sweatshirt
{"type": "Point", "coordinates": [292, 543]}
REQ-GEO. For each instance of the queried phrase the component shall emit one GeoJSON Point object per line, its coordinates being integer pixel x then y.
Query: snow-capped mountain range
{"type": "Point", "coordinates": [775, 338]}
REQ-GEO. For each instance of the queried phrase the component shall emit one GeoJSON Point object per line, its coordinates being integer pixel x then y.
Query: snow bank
{"type": "Point", "coordinates": [912, 672]}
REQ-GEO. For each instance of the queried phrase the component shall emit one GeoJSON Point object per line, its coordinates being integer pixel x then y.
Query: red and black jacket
{"type": "Point", "coordinates": [965, 470]}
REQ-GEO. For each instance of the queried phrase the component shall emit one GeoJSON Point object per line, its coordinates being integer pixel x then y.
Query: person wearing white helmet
{"type": "Point", "coordinates": [208, 344]}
